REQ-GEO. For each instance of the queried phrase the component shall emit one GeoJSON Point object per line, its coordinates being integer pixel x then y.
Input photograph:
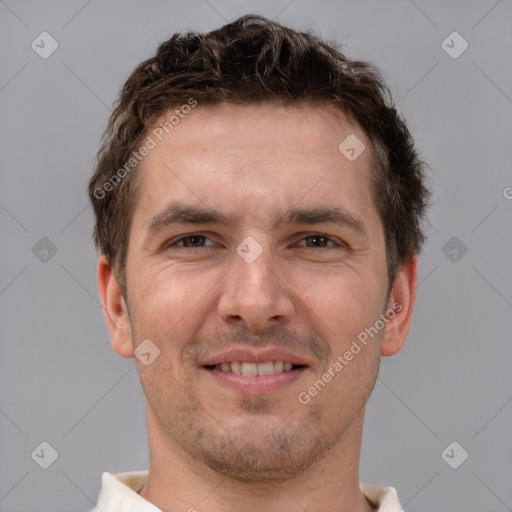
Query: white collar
{"type": "Point", "coordinates": [119, 494]}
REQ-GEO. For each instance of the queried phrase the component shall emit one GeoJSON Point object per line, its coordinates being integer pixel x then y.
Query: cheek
{"type": "Point", "coordinates": [353, 384]}
{"type": "Point", "coordinates": [171, 303]}
{"type": "Point", "coordinates": [341, 301]}
{"type": "Point", "coordinates": [168, 292]}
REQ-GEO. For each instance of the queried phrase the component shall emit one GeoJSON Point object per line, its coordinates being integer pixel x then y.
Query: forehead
{"type": "Point", "coordinates": [308, 128]}
{"type": "Point", "coordinates": [256, 159]}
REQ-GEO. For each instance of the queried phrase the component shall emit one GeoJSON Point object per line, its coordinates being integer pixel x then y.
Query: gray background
{"type": "Point", "coordinates": [60, 380]}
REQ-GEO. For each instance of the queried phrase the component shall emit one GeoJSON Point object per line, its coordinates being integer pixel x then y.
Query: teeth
{"type": "Point", "coordinates": [236, 367]}
{"type": "Point", "coordinates": [252, 369]}
{"type": "Point", "coordinates": [265, 368]}
{"type": "Point", "coordinates": [249, 369]}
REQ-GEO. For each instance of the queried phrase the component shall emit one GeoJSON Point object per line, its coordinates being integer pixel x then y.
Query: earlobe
{"type": "Point", "coordinates": [114, 308]}
{"type": "Point", "coordinates": [401, 302]}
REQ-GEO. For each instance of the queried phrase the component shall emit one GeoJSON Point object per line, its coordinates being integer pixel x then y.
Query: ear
{"type": "Point", "coordinates": [401, 301]}
{"type": "Point", "coordinates": [114, 308]}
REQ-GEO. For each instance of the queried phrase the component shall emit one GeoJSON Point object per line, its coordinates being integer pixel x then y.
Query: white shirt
{"type": "Point", "coordinates": [119, 494]}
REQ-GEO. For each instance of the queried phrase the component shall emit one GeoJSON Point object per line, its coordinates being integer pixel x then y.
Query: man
{"type": "Point", "coordinates": [258, 207]}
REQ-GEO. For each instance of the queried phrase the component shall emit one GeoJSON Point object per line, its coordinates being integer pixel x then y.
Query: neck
{"type": "Point", "coordinates": [177, 482]}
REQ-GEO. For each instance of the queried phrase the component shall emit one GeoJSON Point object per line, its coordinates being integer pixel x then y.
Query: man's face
{"type": "Point", "coordinates": [313, 288]}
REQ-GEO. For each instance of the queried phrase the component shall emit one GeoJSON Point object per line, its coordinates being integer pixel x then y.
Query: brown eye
{"type": "Point", "coordinates": [192, 241]}
{"type": "Point", "coordinates": [318, 240]}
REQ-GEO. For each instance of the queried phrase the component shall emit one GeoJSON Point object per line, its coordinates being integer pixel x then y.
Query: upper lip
{"type": "Point", "coordinates": [254, 356]}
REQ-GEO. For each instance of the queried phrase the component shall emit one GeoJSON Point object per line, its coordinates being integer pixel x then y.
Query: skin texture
{"type": "Point", "coordinates": [211, 447]}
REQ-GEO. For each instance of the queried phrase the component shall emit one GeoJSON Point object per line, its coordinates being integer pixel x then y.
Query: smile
{"type": "Point", "coordinates": [252, 369]}
{"type": "Point", "coordinates": [245, 377]}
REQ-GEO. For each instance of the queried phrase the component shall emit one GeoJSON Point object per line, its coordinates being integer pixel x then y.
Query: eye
{"type": "Point", "coordinates": [189, 241]}
{"type": "Point", "coordinates": [197, 240]}
{"type": "Point", "coordinates": [318, 240]}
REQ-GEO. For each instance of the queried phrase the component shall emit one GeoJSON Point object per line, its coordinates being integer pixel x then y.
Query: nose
{"type": "Point", "coordinates": [255, 295]}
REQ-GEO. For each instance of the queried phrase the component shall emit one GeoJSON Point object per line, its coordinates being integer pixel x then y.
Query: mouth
{"type": "Point", "coordinates": [253, 369]}
{"type": "Point", "coordinates": [255, 378]}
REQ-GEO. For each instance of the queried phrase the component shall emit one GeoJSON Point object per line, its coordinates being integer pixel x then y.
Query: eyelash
{"type": "Point", "coordinates": [172, 243]}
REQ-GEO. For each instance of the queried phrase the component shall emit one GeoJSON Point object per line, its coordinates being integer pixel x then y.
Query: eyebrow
{"type": "Point", "coordinates": [178, 213]}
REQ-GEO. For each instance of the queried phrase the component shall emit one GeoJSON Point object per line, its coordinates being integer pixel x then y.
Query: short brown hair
{"type": "Point", "coordinates": [249, 61]}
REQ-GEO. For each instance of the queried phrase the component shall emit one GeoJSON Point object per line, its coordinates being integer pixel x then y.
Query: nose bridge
{"type": "Point", "coordinates": [253, 292]}
{"type": "Point", "coordinates": [255, 268]}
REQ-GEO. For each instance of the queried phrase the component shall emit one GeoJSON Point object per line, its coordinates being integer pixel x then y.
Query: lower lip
{"type": "Point", "coordinates": [256, 383]}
